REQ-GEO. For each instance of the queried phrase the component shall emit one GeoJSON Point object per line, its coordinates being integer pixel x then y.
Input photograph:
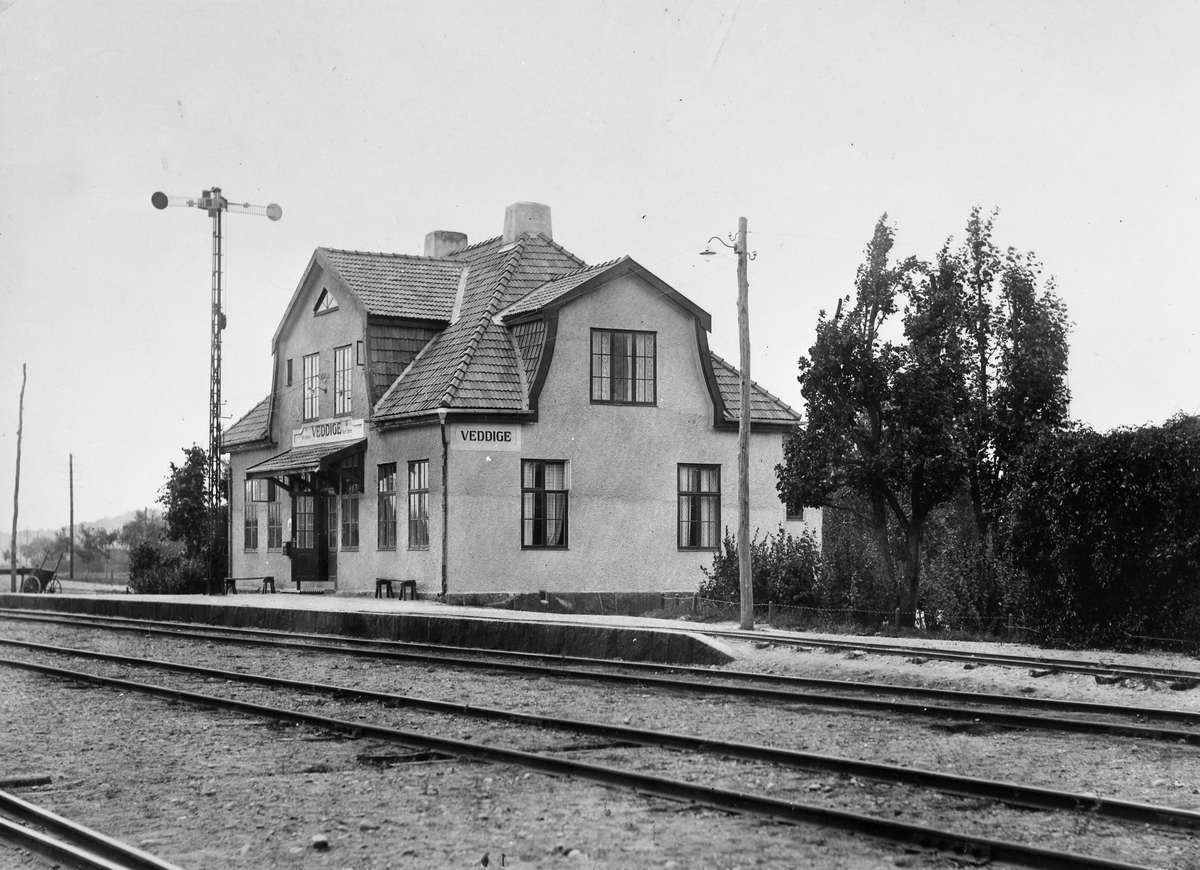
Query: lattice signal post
{"type": "Point", "coordinates": [214, 203]}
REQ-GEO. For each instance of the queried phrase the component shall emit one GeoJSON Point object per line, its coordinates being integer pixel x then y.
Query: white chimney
{"type": "Point", "coordinates": [526, 217]}
{"type": "Point", "coordinates": [439, 243]}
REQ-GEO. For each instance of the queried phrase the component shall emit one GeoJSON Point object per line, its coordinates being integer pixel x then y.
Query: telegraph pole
{"type": "Point", "coordinates": [745, 573]}
{"type": "Point", "coordinates": [215, 204]}
{"type": "Point", "coordinates": [17, 486]}
{"type": "Point", "coordinates": [745, 577]}
{"type": "Point", "coordinates": [71, 483]}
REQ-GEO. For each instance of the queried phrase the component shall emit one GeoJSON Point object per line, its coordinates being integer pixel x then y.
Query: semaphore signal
{"type": "Point", "coordinates": [214, 203]}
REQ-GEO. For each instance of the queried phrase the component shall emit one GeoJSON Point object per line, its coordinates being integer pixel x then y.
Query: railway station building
{"type": "Point", "coordinates": [493, 421]}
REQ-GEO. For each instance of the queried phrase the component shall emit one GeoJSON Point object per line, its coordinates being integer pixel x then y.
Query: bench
{"type": "Point", "coordinates": [406, 587]}
{"type": "Point", "coordinates": [265, 583]}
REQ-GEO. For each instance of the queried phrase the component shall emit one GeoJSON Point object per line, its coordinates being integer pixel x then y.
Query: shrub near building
{"type": "Point", "coordinates": [1106, 529]}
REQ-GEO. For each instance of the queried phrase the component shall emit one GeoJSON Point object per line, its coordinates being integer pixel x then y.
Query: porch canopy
{"type": "Point", "coordinates": [310, 459]}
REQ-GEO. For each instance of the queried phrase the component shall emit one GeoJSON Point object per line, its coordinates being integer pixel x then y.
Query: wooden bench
{"type": "Point", "coordinates": [406, 587]}
{"type": "Point", "coordinates": [265, 583]}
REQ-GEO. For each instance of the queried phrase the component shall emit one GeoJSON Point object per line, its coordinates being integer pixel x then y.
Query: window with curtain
{"type": "Point", "coordinates": [623, 367]}
{"type": "Point", "coordinates": [387, 506]}
{"type": "Point", "coordinates": [699, 507]}
{"type": "Point", "coordinates": [312, 386]}
{"type": "Point", "coordinates": [250, 521]}
{"type": "Point", "coordinates": [341, 380]}
{"type": "Point", "coordinates": [418, 505]}
{"type": "Point", "coordinates": [544, 488]}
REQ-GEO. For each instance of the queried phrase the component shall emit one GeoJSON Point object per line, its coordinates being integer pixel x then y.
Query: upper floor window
{"type": "Point", "coordinates": [341, 380]}
{"type": "Point", "coordinates": [623, 367]}
{"type": "Point", "coordinates": [699, 507]}
{"type": "Point", "coordinates": [325, 303]}
{"type": "Point", "coordinates": [312, 386]}
{"type": "Point", "coordinates": [544, 490]}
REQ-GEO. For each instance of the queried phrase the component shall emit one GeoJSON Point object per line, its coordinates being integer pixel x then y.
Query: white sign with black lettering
{"type": "Point", "coordinates": [487, 437]}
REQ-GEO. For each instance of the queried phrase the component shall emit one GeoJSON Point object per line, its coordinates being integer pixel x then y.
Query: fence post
{"type": "Point", "coordinates": [1010, 626]}
{"type": "Point", "coordinates": [771, 613]}
{"type": "Point", "coordinates": [695, 595]}
{"type": "Point", "coordinates": [897, 618]}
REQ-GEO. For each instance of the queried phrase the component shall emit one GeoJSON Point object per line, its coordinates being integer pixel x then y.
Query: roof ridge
{"type": "Point", "coordinates": [418, 257]}
{"type": "Point", "coordinates": [755, 384]}
{"type": "Point", "coordinates": [463, 250]}
{"type": "Point", "coordinates": [468, 354]}
{"type": "Point", "coordinates": [559, 247]}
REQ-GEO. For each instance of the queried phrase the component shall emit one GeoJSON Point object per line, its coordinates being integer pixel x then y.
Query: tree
{"type": "Point", "coordinates": [1015, 338]}
{"type": "Point", "coordinates": [147, 526]}
{"type": "Point", "coordinates": [95, 544]}
{"type": "Point", "coordinates": [186, 512]}
{"type": "Point", "coordinates": [885, 420]}
{"type": "Point", "coordinates": [44, 547]}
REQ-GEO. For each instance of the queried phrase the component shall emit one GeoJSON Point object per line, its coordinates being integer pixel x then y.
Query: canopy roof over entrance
{"type": "Point", "coordinates": [308, 459]}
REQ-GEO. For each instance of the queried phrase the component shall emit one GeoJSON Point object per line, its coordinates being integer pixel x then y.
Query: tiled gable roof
{"type": "Point", "coordinates": [473, 365]}
{"type": "Point", "coordinates": [252, 428]}
{"type": "Point", "coordinates": [397, 285]}
{"type": "Point", "coordinates": [764, 408]}
{"type": "Point", "coordinates": [554, 289]}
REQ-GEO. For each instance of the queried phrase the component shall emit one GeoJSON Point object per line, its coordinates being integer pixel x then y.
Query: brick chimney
{"type": "Point", "coordinates": [526, 217]}
{"type": "Point", "coordinates": [439, 243]}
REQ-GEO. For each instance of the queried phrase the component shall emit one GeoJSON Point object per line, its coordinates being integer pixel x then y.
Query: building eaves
{"type": "Point", "coordinates": [764, 407]}
{"type": "Point", "coordinates": [252, 430]}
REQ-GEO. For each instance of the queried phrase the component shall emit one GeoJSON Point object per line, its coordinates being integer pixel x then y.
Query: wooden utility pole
{"type": "Point", "coordinates": [71, 472]}
{"type": "Point", "coordinates": [17, 486]}
{"type": "Point", "coordinates": [745, 577]}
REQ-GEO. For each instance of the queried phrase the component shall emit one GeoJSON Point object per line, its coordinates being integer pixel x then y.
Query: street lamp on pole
{"type": "Point", "coordinates": [745, 583]}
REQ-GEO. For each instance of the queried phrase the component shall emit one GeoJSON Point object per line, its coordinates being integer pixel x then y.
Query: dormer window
{"type": "Point", "coordinates": [325, 303]}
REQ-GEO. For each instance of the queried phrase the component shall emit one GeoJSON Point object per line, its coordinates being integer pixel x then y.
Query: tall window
{"type": "Point", "coordinates": [418, 505]}
{"type": "Point", "coordinates": [341, 380]}
{"type": "Point", "coordinates": [274, 519]}
{"type": "Point", "coordinates": [623, 367]}
{"type": "Point", "coordinates": [350, 489]}
{"type": "Point", "coordinates": [250, 519]}
{"type": "Point", "coordinates": [331, 520]}
{"type": "Point", "coordinates": [312, 386]}
{"type": "Point", "coordinates": [387, 506]}
{"type": "Point", "coordinates": [699, 507]}
{"type": "Point", "coordinates": [543, 504]}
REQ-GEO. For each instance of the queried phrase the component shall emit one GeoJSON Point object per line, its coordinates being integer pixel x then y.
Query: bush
{"type": "Point", "coordinates": [1107, 530]}
{"type": "Point", "coordinates": [784, 569]}
{"type": "Point", "coordinates": [154, 572]}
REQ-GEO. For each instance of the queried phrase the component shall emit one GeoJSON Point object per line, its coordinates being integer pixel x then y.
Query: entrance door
{"type": "Point", "coordinates": [310, 550]}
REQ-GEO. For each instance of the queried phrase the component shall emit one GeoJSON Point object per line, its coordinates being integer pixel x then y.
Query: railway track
{"type": "Point", "coordinates": [961, 845]}
{"type": "Point", "coordinates": [1014, 793]}
{"type": "Point", "coordinates": [66, 843]}
{"type": "Point", "coordinates": [956, 705]}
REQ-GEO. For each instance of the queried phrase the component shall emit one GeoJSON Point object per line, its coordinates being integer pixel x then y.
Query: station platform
{"type": "Point", "coordinates": [629, 638]}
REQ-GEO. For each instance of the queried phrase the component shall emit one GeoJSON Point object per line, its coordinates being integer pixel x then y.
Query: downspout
{"type": "Point", "coordinates": [445, 501]}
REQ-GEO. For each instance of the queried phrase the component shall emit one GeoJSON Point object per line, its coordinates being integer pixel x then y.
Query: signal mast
{"type": "Point", "coordinates": [214, 203]}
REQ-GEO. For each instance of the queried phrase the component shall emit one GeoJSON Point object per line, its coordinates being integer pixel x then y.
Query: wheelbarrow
{"type": "Point", "coordinates": [43, 579]}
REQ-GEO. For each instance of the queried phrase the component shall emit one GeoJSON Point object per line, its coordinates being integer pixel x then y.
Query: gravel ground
{"type": "Point", "coordinates": [214, 790]}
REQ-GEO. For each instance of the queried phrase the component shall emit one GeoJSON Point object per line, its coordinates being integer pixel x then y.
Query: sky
{"type": "Point", "coordinates": [646, 127]}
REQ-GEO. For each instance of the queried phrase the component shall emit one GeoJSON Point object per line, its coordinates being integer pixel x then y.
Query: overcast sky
{"type": "Point", "coordinates": [647, 127]}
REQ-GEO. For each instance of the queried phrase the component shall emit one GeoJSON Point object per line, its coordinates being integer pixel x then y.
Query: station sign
{"type": "Point", "coordinates": [329, 432]}
{"type": "Point", "coordinates": [485, 437]}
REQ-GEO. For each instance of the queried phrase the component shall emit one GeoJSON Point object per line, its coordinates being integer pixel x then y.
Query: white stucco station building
{"type": "Point", "coordinates": [496, 421]}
